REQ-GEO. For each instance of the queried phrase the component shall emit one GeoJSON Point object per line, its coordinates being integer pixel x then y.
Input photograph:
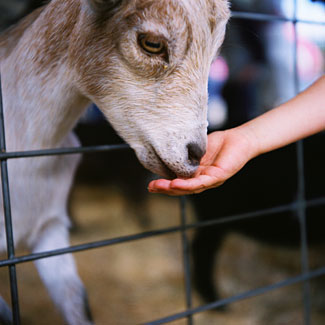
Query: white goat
{"type": "Point", "coordinates": [145, 63]}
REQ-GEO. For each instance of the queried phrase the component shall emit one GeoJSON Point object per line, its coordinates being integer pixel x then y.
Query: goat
{"type": "Point", "coordinates": [144, 63]}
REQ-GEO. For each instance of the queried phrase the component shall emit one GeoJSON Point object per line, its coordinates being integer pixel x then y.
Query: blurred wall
{"type": "Point", "coordinates": [13, 10]}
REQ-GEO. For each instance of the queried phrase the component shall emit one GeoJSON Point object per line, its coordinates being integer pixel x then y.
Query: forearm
{"type": "Point", "coordinates": [228, 151]}
{"type": "Point", "coordinates": [302, 116]}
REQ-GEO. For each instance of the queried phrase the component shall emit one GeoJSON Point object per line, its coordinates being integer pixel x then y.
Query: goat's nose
{"type": "Point", "coordinates": [195, 153]}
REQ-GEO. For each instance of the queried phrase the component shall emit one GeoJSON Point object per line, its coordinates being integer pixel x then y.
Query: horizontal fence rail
{"type": "Point", "coordinates": [159, 232]}
{"type": "Point", "coordinates": [245, 295]}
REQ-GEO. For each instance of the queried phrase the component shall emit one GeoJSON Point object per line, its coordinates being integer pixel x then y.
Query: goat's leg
{"type": "Point", "coordinates": [5, 313]}
{"type": "Point", "coordinates": [60, 276]}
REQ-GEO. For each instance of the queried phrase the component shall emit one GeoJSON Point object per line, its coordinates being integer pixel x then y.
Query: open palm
{"type": "Point", "coordinates": [227, 152]}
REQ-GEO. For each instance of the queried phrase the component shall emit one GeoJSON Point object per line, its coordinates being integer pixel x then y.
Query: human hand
{"type": "Point", "coordinates": [227, 152]}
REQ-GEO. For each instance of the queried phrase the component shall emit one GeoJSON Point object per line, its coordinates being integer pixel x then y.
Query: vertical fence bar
{"type": "Point", "coordinates": [186, 259]}
{"type": "Point", "coordinates": [303, 233]}
{"type": "Point", "coordinates": [8, 220]}
{"type": "Point", "coordinates": [301, 189]}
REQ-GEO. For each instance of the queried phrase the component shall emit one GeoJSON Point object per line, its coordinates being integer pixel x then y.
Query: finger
{"type": "Point", "coordinates": [177, 192]}
{"type": "Point", "coordinates": [202, 181]}
{"type": "Point", "coordinates": [215, 141]}
{"type": "Point", "coordinates": [159, 184]}
{"type": "Point", "coordinates": [210, 177]}
{"type": "Point", "coordinates": [162, 186]}
{"type": "Point", "coordinates": [170, 192]}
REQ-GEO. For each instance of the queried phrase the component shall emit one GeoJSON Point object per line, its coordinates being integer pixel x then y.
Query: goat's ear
{"type": "Point", "coordinates": [104, 6]}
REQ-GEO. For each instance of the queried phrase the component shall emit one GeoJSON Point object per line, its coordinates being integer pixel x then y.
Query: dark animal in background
{"type": "Point", "coordinates": [266, 182]}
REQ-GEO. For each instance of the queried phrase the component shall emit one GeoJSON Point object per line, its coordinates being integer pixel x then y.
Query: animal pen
{"type": "Point", "coordinates": [299, 206]}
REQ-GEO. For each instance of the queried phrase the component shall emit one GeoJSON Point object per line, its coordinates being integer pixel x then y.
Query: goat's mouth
{"type": "Point", "coordinates": [166, 171]}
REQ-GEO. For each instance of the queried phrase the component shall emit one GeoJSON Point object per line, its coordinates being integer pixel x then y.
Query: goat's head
{"type": "Point", "coordinates": [145, 63]}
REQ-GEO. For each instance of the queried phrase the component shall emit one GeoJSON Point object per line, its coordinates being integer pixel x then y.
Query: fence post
{"type": "Point", "coordinates": [186, 259]}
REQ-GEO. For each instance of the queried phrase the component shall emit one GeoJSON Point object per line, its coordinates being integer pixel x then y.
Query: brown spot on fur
{"type": "Point", "coordinates": [55, 34]}
{"type": "Point", "coordinates": [145, 8]}
{"type": "Point", "coordinates": [212, 18]}
{"type": "Point", "coordinates": [217, 12]}
{"type": "Point", "coordinates": [93, 50]}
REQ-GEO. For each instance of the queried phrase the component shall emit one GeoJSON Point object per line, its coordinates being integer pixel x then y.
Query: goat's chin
{"type": "Point", "coordinates": [150, 159]}
{"type": "Point", "coordinates": [159, 168]}
{"type": "Point", "coordinates": [166, 173]}
{"type": "Point", "coordinates": [169, 174]}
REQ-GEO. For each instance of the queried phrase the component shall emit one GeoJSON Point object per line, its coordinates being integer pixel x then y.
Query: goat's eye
{"type": "Point", "coordinates": [151, 44]}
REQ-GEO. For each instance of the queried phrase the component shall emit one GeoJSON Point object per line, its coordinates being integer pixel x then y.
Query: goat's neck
{"type": "Point", "coordinates": [45, 119]}
{"type": "Point", "coordinates": [41, 103]}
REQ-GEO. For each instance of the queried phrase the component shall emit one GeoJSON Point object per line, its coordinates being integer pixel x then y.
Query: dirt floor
{"type": "Point", "coordinates": [140, 281]}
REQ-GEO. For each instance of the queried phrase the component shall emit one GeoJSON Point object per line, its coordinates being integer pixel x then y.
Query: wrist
{"type": "Point", "coordinates": [249, 139]}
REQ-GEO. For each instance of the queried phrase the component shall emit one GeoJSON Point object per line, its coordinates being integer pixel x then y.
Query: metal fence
{"type": "Point", "coordinates": [299, 206]}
